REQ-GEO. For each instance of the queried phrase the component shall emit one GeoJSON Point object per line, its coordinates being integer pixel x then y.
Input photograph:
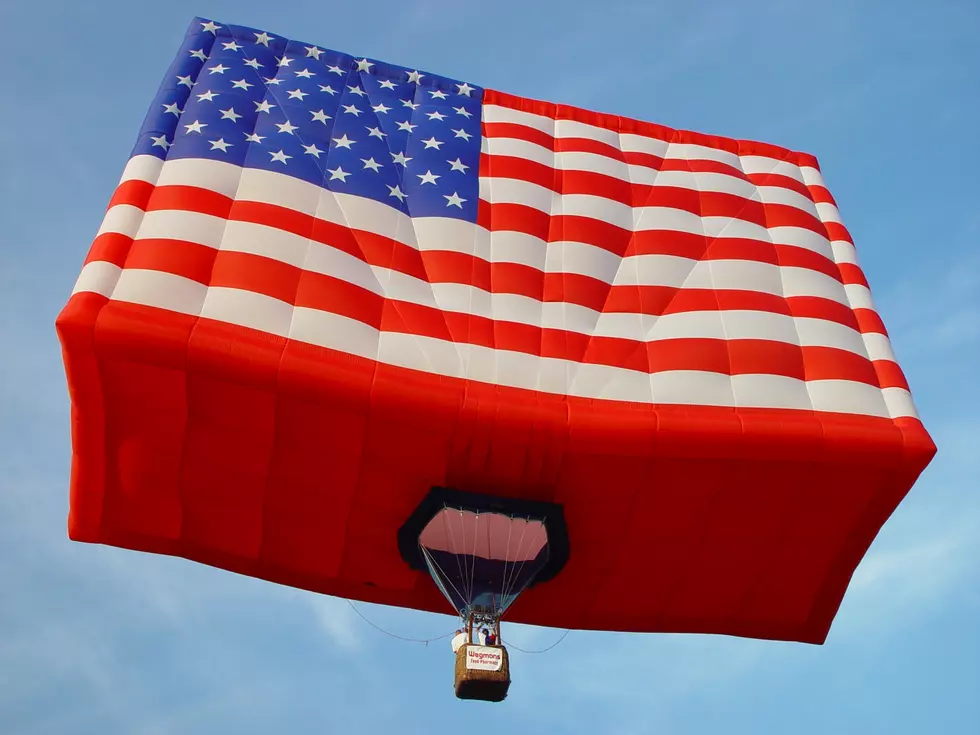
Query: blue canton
{"type": "Point", "coordinates": [406, 138]}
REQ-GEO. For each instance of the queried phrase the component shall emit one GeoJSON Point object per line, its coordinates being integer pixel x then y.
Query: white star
{"type": "Point", "coordinates": [320, 116]}
{"type": "Point", "coordinates": [219, 69]}
{"type": "Point", "coordinates": [351, 110]}
{"type": "Point", "coordinates": [264, 39]}
{"type": "Point", "coordinates": [314, 52]}
{"type": "Point", "coordinates": [210, 27]}
{"type": "Point", "coordinates": [436, 115]}
{"type": "Point", "coordinates": [462, 134]}
{"type": "Point", "coordinates": [241, 84]}
{"type": "Point", "coordinates": [344, 142]}
{"type": "Point", "coordinates": [230, 114]}
{"type": "Point", "coordinates": [328, 89]}
{"type": "Point", "coordinates": [297, 94]}
{"type": "Point", "coordinates": [406, 126]}
{"type": "Point", "coordinates": [455, 200]}
{"type": "Point", "coordinates": [160, 140]}
{"type": "Point", "coordinates": [409, 104]}
{"type": "Point", "coordinates": [438, 94]}
{"type": "Point", "coordinates": [263, 106]}
{"type": "Point", "coordinates": [312, 150]}
{"type": "Point", "coordinates": [199, 54]}
{"type": "Point", "coordinates": [464, 89]}
{"type": "Point", "coordinates": [286, 127]}
{"type": "Point", "coordinates": [457, 165]}
{"type": "Point", "coordinates": [387, 84]}
{"type": "Point", "coordinates": [335, 70]}
{"type": "Point", "coordinates": [254, 63]}
{"type": "Point", "coordinates": [279, 156]}
{"type": "Point", "coordinates": [272, 80]}
{"type": "Point", "coordinates": [381, 109]}
{"type": "Point", "coordinates": [254, 138]}
{"type": "Point", "coordinates": [364, 65]}
{"type": "Point", "coordinates": [463, 111]}
{"type": "Point", "coordinates": [232, 46]}
{"type": "Point", "coordinates": [338, 173]}
{"type": "Point", "coordinates": [400, 158]}
{"type": "Point", "coordinates": [432, 143]}
{"type": "Point", "coordinates": [186, 81]}
{"type": "Point", "coordinates": [220, 145]}
{"type": "Point", "coordinates": [428, 177]}
{"type": "Point", "coordinates": [376, 133]}
{"type": "Point", "coordinates": [397, 193]}
{"type": "Point", "coordinates": [414, 76]}
{"type": "Point", "coordinates": [207, 96]}
{"type": "Point", "coordinates": [356, 90]}
{"type": "Point", "coordinates": [195, 127]}
{"type": "Point", "coordinates": [306, 74]}
{"type": "Point", "coordinates": [173, 109]}
{"type": "Point", "coordinates": [284, 60]}
{"type": "Point", "coordinates": [371, 164]}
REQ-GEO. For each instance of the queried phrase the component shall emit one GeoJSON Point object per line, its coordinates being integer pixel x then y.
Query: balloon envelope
{"type": "Point", "coordinates": [274, 357]}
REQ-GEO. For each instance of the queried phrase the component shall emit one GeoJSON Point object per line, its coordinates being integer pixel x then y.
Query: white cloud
{"type": "Point", "coordinates": [337, 620]}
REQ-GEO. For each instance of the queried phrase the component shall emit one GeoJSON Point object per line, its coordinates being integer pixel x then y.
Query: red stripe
{"type": "Point", "coordinates": [621, 124]}
{"type": "Point", "coordinates": [380, 250]}
{"type": "Point", "coordinates": [110, 247]}
{"type": "Point", "coordinates": [850, 273]}
{"type": "Point", "coordinates": [443, 267]}
{"type": "Point", "coordinates": [186, 259]}
{"type": "Point", "coordinates": [136, 193]}
{"type": "Point", "coordinates": [890, 375]}
{"type": "Point", "coordinates": [869, 322]}
{"type": "Point", "coordinates": [292, 285]}
{"type": "Point", "coordinates": [515, 131]}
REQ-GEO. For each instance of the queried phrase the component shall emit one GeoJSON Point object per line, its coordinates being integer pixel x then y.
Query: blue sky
{"type": "Point", "coordinates": [97, 640]}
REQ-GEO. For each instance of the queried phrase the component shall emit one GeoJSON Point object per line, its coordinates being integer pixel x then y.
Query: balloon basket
{"type": "Point", "coordinates": [482, 673]}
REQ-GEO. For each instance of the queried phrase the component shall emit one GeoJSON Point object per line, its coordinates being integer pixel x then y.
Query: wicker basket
{"type": "Point", "coordinates": [482, 684]}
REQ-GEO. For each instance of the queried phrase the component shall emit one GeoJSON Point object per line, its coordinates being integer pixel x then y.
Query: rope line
{"type": "Point", "coordinates": [426, 641]}
{"type": "Point", "coordinates": [541, 650]}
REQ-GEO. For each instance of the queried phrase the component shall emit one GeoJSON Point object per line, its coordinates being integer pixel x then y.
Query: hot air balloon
{"type": "Point", "coordinates": [386, 335]}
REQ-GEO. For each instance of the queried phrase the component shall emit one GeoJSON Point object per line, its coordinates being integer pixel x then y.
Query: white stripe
{"type": "Point", "coordinates": [765, 165]}
{"type": "Point", "coordinates": [900, 403]}
{"type": "Point", "coordinates": [168, 224]}
{"type": "Point", "coordinates": [142, 168]}
{"type": "Point", "coordinates": [643, 175]}
{"type": "Point", "coordinates": [220, 177]}
{"type": "Point", "coordinates": [634, 270]}
{"type": "Point", "coordinates": [467, 299]}
{"type": "Point", "coordinates": [365, 214]}
{"type": "Point", "coordinates": [788, 197]}
{"type": "Point", "coordinates": [828, 213]}
{"type": "Point", "coordinates": [163, 290]}
{"type": "Point", "coordinates": [333, 331]}
{"type": "Point", "coordinates": [858, 296]}
{"type": "Point", "coordinates": [843, 396]}
{"type": "Point", "coordinates": [805, 282]}
{"type": "Point", "coordinates": [575, 129]}
{"type": "Point", "coordinates": [879, 347]}
{"type": "Point", "coordinates": [249, 309]}
{"type": "Point", "coordinates": [446, 358]}
{"type": "Point", "coordinates": [812, 176]}
{"type": "Point", "coordinates": [121, 219]}
{"type": "Point", "coordinates": [97, 277]}
{"type": "Point", "coordinates": [631, 141]}
{"type": "Point", "coordinates": [844, 252]}
{"type": "Point", "coordinates": [520, 370]}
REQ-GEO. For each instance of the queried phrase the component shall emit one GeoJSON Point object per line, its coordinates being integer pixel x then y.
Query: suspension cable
{"type": "Point", "coordinates": [542, 650]}
{"type": "Point", "coordinates": [377, 627]}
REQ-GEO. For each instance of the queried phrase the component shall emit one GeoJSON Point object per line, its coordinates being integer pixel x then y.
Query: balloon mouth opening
{"type": "Point", "coordinates": [482, 550]}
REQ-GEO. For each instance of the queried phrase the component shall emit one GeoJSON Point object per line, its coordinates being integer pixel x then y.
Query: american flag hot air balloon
{"type": "Point", "coordinates": [386, 335]}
